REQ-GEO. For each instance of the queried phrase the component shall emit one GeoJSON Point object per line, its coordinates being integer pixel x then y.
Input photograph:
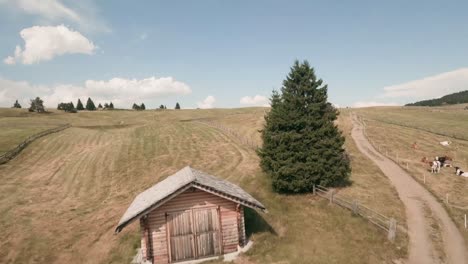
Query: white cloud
{"type": "Point", "coordinates": [50, 9]}
{"type": "Point", "coordinates": [207, 103]}
{"type": "Point", "coordinates": [9, 60]}
{"type": "Point", "coordinates": [83, 13]}
{"type": "Point", "coordinates": [133, 89]}
{"type": "Point", "coordinates": [122, 92]}
{"type": "Point", "coordinates": [257, 100]}
{"type": "Point", "coordinates": [372, 103]}
{"type": "Point", "coordinates": [42, 43]}
{"type": "Point", "coordinates": [430, 87]}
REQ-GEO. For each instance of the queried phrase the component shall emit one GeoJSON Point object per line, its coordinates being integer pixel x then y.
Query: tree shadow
{"type": "Point", "coordinates": [255, 223]}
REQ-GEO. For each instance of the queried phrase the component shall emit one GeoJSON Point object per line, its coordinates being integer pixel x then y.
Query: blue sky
{"type": "Point", "coordinates": [232, 53]}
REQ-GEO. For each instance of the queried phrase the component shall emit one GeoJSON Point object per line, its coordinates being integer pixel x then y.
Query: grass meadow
{"type": "Point", "coordinates": [62, 197]}
{"type": "Point", "coordinates": [395, 129]}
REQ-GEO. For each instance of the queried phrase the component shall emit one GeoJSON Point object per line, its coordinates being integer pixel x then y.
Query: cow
{"type": "Point", "coordinates": [445, 161]}
{"type": "Point", "coordinates": [459, 172]}
{"type": "Point", "coordinates": [434, 164]}
{"type": "Point", "coordinates": [445, 143]}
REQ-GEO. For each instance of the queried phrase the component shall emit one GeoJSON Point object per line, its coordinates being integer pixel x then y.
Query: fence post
{"type": "Point", "coordinates": [392, 229]}
{"type": "Point", "coordinates": [355, 207]}
{"type": "Point", "coordinates": [331, 196]}
{"type": "Point", "coordinates": [313, 189]}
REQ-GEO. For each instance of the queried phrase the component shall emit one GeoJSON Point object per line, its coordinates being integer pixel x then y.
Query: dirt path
{"type": "Point", "coordinates": [416, 200]}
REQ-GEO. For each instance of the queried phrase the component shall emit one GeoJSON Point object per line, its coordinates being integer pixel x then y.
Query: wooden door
{"type": "Point", "coordinates": [194, 233]}
{"type": "Point", "coordinates": [181, 238]}
{"type": "Point", "coordinates": [207, 232]}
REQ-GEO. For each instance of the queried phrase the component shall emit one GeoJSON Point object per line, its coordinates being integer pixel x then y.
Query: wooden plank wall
{"type": "Point", "coordinates": [192, 198]}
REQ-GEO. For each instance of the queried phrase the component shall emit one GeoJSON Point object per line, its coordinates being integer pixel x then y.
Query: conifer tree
{"type": "Point", "coordinates": [16, 105]}
{"type": "Point", "coordinates": [301, 144]}
{"type": "Point", "coordinates": [111, 105]}
{"type": "Point", "coordinates": [161, 107]}
{"type": "Point", "coordinates": [90, 105]}
{"type": "Point", "coordinates": [36, 105]}
{"type": "Point", "coordinates": [106, 105]}
{"type": "Point", "coordinates": [79, 105]}
{"type": "Point", "coordinates": [100, 106]}
{"type": "Point", "coordinates": [142, 106]}
{"type": "Point", "coordinates": [177, 106]}
{"type": "Point", "coordinates": [67, 107]}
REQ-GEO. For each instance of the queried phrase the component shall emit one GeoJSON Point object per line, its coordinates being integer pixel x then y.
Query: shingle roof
{"type": "Point", "coordinates": [187, 177]}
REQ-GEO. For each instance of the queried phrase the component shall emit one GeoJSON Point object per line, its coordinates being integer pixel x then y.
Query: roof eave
{"type": "Point", "coordinates": [120, 226]}
{"type": "Point", "coordinates": [230, 197]}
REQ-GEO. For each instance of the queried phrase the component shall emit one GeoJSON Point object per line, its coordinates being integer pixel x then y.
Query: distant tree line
{"type": "Point", "coordinates": [37, 105]}
{"type": "Point", "coordinates": [90, 106]}
{"type": "Point", "coordinates": [455, 98]}
{"type": "Point", "coordinates": [139, 107]}
{"type": "Point", "coordinates": [67, 107]}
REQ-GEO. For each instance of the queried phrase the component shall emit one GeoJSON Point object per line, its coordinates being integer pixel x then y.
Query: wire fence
{"type": "Point", "coordinates": [389, 225]}
{"type": "Point", "coordinates": [406, 164]}
{"type": "Point", "coordinates": [9, 155]}
{"type": "Point", "coordinates": [432, 131]}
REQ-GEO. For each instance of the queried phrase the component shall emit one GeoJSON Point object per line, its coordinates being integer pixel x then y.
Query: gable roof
{"type": "Point", "coordinates": [177, 183]}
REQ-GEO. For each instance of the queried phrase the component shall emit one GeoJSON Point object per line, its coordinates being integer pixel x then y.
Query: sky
{"type": "Point", "coordinates": [226, 54]}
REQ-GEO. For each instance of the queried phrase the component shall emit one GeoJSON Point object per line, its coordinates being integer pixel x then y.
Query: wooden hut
{"type": "Point", "coordinates": [190, 215]}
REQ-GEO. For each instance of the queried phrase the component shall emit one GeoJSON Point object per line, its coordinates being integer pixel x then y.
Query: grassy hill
{"type": "Point", "coordinates": [455, 98]}
{"type": "Point", "coordinates": [61, 198]}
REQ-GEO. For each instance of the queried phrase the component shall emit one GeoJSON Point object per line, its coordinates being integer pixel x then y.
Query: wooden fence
{"type": "Point", "coordinates": [389, 225]}
{"type": "Point", "coordinates": [406, 165]}
{"type": "Point", "coordinates": [9, 155]}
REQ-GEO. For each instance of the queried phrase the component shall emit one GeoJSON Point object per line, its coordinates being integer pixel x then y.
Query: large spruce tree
{"type": "Point", "coordinates": [301, 144]}
{"type": "Point", "coordinates": [177, 106]}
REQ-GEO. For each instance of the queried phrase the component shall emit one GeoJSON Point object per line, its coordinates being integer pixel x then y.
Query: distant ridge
{"type": "Point", "coordinates": [450, 99]}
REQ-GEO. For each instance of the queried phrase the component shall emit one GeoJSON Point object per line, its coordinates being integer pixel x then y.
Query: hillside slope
{"type": "Point", "coordinates": [455, 98]}
{"type": "Point", "coordinates": [61, 198]}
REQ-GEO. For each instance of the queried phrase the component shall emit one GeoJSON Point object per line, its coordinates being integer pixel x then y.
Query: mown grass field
{"type": "Point", "coordinates": [61, 198]}
{"type": "Point", "coordinates": [395, 129]}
